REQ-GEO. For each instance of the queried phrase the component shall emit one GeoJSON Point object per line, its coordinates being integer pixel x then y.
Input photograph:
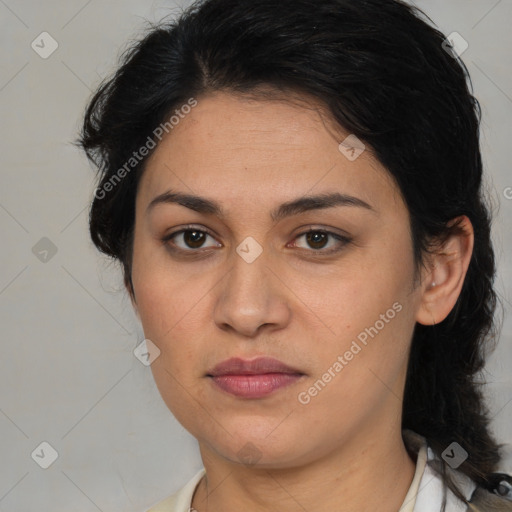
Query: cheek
{"type": "Point", "coordinates": [172, 308]}
{"type": "Point", "coordinates": [169, 314]}
{"type": "Point", "coordinates": [370, 308]}
{"type": "Point", "coordinates": [173, 380]}
{"type": "Point", "coordinates": [365, 287]}
{"type": "Point", "coordinates": [162, 296]}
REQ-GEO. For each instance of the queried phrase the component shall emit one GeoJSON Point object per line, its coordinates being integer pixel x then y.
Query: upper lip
{"type": "Point", "coordinates": [258, 366]}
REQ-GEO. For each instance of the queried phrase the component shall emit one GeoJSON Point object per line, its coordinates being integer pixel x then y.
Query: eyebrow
{"type": "Point", "coordinates": [294, 207]}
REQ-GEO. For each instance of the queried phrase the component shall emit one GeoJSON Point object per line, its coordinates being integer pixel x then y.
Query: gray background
{"type": "Point", "coordinates": [68, 375]}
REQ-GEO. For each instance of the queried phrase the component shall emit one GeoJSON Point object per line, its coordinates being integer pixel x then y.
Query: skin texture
{"type": "Point", "coordinates": [290, 303]}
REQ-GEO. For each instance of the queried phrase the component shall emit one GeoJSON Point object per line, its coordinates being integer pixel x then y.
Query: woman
{"type": "Point", "coordinates": [293, 190]}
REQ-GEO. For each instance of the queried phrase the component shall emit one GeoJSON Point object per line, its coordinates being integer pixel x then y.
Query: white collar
{"type": "Point", "coordinates": [426, 491]}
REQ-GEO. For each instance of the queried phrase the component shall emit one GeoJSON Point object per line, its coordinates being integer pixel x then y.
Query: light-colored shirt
{"type": "Point", "coordinates": [425, 493]}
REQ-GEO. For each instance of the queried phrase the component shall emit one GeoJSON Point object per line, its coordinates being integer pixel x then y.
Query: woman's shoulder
{"type": "Point", "coordinates": [181, 500]}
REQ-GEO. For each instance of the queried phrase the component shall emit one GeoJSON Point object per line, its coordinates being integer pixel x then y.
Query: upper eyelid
{"type": "Point", "coordinates": [188, 228]}
{"type": "Point", "coordinates": [339, 237]}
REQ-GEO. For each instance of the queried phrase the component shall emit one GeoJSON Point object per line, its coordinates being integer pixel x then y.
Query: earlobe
{"type": "Point", "coordinates": [449, 265]}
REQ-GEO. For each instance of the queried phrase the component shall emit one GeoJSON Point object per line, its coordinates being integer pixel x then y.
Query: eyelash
{"type": "Point", "coordinates": [344, 240]}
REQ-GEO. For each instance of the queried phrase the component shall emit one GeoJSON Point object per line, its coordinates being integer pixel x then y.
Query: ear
{"type": "Point", "coordinates": [441, 286]}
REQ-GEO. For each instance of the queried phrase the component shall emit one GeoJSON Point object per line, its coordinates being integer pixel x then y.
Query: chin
{"type": "Point", "coordinates": [246, 447]}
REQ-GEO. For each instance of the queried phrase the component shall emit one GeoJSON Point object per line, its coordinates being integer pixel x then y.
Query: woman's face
{"type": "Point", "coordinates": [249, 282]}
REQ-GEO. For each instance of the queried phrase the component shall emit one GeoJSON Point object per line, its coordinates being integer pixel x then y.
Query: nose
{"type": "Point", "coordinates": [252, 296]}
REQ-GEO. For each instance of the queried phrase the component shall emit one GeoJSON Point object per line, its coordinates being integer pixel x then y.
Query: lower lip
{"type": "Point", "coordinates": [255, 386]}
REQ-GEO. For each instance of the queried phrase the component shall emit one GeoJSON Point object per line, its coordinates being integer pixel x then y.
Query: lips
{"type": "Point", "coordinates": [258, 366]}
{"type": "Point", "coordinates": [256, 378]}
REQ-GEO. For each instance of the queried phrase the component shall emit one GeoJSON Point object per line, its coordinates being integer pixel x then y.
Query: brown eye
{"type": "Point", "coordinates": [318, 239]}
{"type": "Point", "coordinates": [187, 240]}
{"type": "Point", "coordinates": [193, 239]}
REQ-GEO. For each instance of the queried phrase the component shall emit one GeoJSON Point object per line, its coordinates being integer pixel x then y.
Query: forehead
{"type": "Point", "coordinates": [242, 148]}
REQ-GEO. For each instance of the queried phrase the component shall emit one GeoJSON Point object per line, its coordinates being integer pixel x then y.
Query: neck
{"type": "Point", "coordinates": [372, 472]}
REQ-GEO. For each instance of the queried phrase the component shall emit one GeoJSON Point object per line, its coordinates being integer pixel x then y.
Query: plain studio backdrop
{"type": "Point", "coordinates": [68, 374]}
